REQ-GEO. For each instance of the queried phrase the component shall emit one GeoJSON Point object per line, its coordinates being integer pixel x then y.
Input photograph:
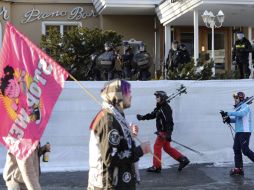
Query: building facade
{"type": "Point", "coordinates": [182, 20]}
{"type": "Point", "coordinates": [35, 17]}
{"type": "Point", "coordinates": [154, 22]}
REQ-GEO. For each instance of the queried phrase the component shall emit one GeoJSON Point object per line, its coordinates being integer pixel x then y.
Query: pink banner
{"type": "Point", "coordinates": [30, 85]}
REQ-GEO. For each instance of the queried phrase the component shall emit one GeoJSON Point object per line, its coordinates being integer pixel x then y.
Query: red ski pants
{"type": "Point", "coordinates": [158, 145]}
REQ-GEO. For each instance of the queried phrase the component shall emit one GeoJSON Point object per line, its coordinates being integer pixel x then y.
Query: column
{"type": "Point", "coordinates": [250, 55]}
{"type": "Point", "coordinates": [167, 44]}
{"type": "Point", "coordinates": [196, 36]}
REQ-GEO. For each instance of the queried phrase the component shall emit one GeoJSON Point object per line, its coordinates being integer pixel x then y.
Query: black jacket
{"type": "Point", "coordinates": [241, 50]}
{"type": "Point", "coordinates": [115, 153]}
{"type": "Point", "coordinates": [174, 59]}
{"type": "Point", "coordinates": [164, 119]}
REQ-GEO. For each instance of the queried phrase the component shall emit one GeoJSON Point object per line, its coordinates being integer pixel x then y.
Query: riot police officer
{"type": "Point", "coordinates": [127, 58]}
{"type": "Point", "coordinates": [142, 61]}
{"type": "Point", "coordinates": [107, 61]}
{"type": "Point", "coordinates": [241, 50]}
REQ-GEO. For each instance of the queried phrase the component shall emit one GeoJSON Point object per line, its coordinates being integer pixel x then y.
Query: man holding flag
{"type": "Point", "coordinates": [30, 84]}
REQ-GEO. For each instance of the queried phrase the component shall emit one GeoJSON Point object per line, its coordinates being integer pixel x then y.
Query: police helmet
{"type": "Point", "coordinates": [108, 45]}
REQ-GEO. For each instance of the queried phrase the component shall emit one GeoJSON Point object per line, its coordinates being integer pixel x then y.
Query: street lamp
{"type": "Point", "coordinates": [210, 22]}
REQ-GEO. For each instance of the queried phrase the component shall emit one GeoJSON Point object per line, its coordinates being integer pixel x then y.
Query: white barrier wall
{"type": "Point", "coordinates": [198, 123]}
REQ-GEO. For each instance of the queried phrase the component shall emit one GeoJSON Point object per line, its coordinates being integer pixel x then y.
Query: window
{"type": "Point", "coordinates": [218, 41]}
{"type": "Point", "coordinates": [62, 27]}
{"type": "Point", "coordinates": [187, 38]}
{"type": "Point", "coordinates": [219, 49]}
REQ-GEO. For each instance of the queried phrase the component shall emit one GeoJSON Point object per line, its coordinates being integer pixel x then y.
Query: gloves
{"type": "Point", "coordinates": [139, 117]}
{"type": "Point", "coordinates": [226, 119]}
{"type": "Point", "coordinates": [168, 138]}
{"type": "Point", "coordinates": [223, 113]}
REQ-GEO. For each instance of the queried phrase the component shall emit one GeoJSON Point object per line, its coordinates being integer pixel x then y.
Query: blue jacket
{"type": "Point", "coordinates": [242, 119]}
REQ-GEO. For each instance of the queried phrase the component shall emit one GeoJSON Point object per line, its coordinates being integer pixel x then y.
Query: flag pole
{"type": "Point", "coordinates": [98, 102]}
{"type": "Point", "coordinates": [86, 91]}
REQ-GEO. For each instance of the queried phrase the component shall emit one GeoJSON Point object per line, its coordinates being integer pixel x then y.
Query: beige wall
{"type": "Point", "coordinates": [137, 27]}
{"type": "Point", "coordinates": [33, 29]}
{"type": "Point", "coordinates": [8, 8]}
{"type": "Point", "coordinates": [140, 28]}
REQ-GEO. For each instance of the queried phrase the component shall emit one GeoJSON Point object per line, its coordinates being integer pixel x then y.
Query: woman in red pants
{"type": "Point", "coordinates": [164, 124]}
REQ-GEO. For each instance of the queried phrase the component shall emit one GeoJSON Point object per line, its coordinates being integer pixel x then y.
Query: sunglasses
{"type": "Point", "coordinates": [235, 96]}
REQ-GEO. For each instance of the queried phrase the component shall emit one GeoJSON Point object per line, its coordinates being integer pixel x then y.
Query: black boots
{"type": "Point", "coordinates": [184, 161]}
{"type": "Point", "coordinates": [236, 171]}
{"type": "Point", "coordinates": [154, 169]}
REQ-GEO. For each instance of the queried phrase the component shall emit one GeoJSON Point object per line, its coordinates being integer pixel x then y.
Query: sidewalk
{"type": "Point", "coordinates": [194, 177]}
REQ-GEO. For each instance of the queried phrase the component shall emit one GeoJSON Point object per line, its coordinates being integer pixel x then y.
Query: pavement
{"type": "Point", "coordinates": [193, 177]}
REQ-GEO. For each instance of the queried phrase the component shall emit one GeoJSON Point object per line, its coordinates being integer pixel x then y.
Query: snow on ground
{"type": "Point", "coordinates": [198, 123]}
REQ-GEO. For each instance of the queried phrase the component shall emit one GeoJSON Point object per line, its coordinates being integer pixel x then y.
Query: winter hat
{"type": "Point", "coordinates": [162, 94]}
{"type": "Point", "coordinates": [114, 91]}
{"type": "Point", "coordinates": [239, 95]}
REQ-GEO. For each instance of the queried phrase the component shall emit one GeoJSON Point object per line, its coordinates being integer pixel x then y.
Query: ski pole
{"type": "Point", "coordinates": [200, 153]}
{"type": "Point", "coordinates": [226, 119]}
{"type": "Point", "coordinates": [231, 130]}
{"type": "Point", "coordinates": [156, 157]}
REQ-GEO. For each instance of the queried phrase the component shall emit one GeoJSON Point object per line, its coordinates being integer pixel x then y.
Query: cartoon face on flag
{"type": "Point", "coordinates": [30, 84]}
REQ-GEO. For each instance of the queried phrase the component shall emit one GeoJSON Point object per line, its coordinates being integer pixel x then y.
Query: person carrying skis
{"type": "Point", "coordinates": [164, 124]}
{"type": "Point", "coordinates": [242, 117]}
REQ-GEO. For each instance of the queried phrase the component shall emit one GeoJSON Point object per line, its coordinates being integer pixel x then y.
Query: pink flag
{"type": "Point", "coordinates": [30, 83]}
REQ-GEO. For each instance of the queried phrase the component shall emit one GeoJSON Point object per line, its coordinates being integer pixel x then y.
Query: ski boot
{"type": "Point", "coordinates": [236, 171]}
{"type": "Point", "coordinates": [154, 169]}
{"type": "Point", "coordinates": [184, 161]}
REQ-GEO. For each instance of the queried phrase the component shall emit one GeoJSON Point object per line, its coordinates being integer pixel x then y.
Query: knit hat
{"type": "Point", "coordinates": [112, 93]}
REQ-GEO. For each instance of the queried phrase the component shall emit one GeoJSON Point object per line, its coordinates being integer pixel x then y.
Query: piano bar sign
{"type": "Point", "coordinates": [4, 13]}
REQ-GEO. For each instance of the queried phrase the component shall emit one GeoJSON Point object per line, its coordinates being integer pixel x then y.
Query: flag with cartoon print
{"type": "Point", "coordinates": [30, 84]}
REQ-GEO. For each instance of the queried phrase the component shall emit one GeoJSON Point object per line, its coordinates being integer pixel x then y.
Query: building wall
{"type": "Point", "coordinates": [140, 28]}
{"type": "Point", "coordinates": [34, 29]}
{"type": "Point", "coordinates": [137, 27]}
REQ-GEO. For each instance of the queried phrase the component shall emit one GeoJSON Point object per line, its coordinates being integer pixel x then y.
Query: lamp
{"type": "Point", "coordinates": [210, 22]}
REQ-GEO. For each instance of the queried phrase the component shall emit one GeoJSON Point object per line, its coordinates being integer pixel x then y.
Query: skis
{"type": "Point", "coordinates": [181, 90]}
{"type": "Point", "coordinates": [247, 100]}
